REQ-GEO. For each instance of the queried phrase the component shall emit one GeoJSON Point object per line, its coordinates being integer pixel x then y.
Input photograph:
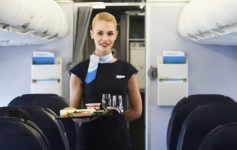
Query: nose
{"type": "Point", "coordinates": [105, 38]}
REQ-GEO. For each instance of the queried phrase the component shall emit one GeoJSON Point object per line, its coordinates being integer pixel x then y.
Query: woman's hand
{"type": "Point", "coordinates": [80, 120]}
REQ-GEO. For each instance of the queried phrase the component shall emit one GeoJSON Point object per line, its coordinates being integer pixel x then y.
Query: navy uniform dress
{"type": "Point", "coordinates": [106, 133]}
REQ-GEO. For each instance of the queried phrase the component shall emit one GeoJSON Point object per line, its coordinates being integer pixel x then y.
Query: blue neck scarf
{"type": "Point", "coordinates": [93, 65]}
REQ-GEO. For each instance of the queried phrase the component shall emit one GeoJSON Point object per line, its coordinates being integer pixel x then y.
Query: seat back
{"type": "Point", "coordinates": [45, 119]}
{"type": "Point", "coordinates": [202, 120]}
{"type": "Point", "coordinates": [17, 134]}
{"type": "Point", "coordinates": [181, 111]}
{"type": "Point", "coordinates": [53, 102]}
{"type": "Point", "coordinates": [221, 138]}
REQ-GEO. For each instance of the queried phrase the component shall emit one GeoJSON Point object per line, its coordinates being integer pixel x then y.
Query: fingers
{"type": "Point", "coordinates": [81, 120]}
{"type": "Point", "coordinates": [84, 119]}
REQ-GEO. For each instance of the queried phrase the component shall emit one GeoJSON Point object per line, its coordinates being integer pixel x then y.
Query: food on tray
{"type": "Point", "coordinates": [73, 112]}
{"type": "Point", "coordinates": [100, 112]}
{"type": "Point", "coordinates": [95, 106]}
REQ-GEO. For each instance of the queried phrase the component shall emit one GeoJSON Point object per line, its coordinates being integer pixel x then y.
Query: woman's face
{"type": "Point", "coordinates": [104, 34]}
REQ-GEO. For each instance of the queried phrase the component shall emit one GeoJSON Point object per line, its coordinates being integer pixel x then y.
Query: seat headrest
{"type": "Point", "coordinates": [202, 120]}
{"type": "Point", "coordinates": [19, 134]}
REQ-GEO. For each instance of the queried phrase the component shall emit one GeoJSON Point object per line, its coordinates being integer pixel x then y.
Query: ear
{"type": "Point", "coordinates": [91, 34]}
{"type": "Point", "coordinates": [116, 34]}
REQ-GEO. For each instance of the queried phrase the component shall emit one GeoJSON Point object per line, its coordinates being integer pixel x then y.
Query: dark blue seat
{"type": "Point", "coordinates": [223, 137]}
{"type": "Point", "coordinates": [18, 134]}
{"type": "Point", "coordinates": [202, 120]}
{"type": "Point", "coordinates": [183, 108]}
{"type": "Point", "coordinates": [53, 102]}
{"type": "Point", "coordinates": [45, 119]}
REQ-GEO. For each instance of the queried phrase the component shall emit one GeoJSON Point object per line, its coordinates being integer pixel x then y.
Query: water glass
{"type": "Point", "coordinates": [106, 101]}
{"type": "Point", "coordinates": [118, 102]}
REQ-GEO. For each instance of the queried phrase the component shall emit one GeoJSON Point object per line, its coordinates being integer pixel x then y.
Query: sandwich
{"type": "Point", "coordinates": [73, 112]}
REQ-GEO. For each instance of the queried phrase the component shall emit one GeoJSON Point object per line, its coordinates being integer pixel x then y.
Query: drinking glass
{"type": "Point", "coordinates": [114, 101]}
{"type": "Point", "coordinates": [118, 102]}
{"type": "Point", "coordinates": [106, 101]}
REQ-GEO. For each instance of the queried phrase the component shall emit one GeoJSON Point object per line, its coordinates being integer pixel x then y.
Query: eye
{"type": "Point", "coordinates": [110, 34]}
{"type": "Point", "coordinates": [100, 33]}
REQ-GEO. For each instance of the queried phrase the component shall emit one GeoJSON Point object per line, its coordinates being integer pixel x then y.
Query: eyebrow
{"type": "Point", "coordinates": [103, 31]}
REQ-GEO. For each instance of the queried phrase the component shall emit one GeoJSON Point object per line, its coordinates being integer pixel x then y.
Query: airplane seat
{"type": "Point", "coordinates": [202, 120]}
{"type": "Point", "coordinates": [20, 134]}
{"type": "Point", "coordinates": [221, 138]}
{"type": "Point", "coordinates": [181, 111]}
{"type": "Point", "coordinates": [45, 120]}
{"type": "Point", "coordinates": [53, 102]}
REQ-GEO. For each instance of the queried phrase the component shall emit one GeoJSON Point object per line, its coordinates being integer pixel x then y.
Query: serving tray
{"type": "Point", "coordinates": [92, 116]}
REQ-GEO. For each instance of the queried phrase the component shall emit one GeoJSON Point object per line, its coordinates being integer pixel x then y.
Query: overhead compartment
{"type": "Point", "coordinates": [209, 22]}
{"type": "Point", "coordinates": [24, 22]}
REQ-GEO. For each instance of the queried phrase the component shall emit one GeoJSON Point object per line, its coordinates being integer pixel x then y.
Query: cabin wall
{"type": "Point", "coordinates": [211, 68]}
{"type": "Point", "coordinates": [15, 63]}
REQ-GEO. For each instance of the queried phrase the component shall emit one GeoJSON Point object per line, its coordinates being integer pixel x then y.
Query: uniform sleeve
{"type": "Point", "coordinates": [80, 71]}
{"type": "Point", "coordinates": [131, 70]}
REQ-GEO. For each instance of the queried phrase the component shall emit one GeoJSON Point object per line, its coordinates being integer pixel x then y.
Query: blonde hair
{"type": "Point", "coordinates": [106, 17]}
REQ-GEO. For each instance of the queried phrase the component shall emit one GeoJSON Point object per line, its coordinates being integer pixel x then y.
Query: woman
{"type": "Point", "coordinates": [101, 74]}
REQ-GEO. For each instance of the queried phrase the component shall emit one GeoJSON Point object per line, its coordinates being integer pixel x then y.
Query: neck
{"type": "Point", "coordinates": [101, 54]}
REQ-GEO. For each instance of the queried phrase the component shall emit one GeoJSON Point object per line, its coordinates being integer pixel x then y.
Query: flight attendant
{"type": "Point", "coordinates": [101, 74]}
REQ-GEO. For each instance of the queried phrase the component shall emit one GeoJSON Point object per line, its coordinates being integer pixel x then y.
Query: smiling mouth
{"type": "Point", "coordinates": [104, 44]}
